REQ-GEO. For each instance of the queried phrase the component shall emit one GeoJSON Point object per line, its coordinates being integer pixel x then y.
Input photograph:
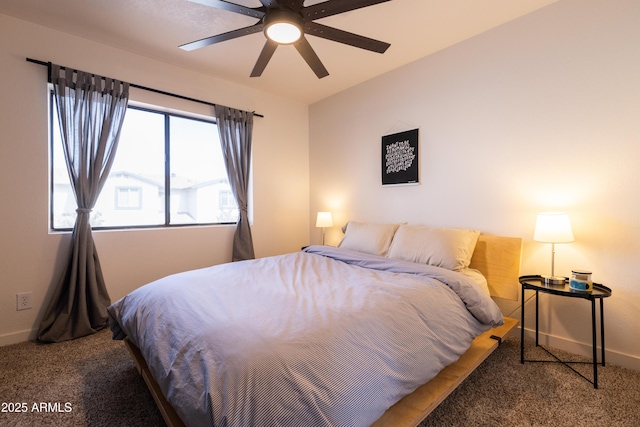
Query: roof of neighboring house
{"type": "Point", "coordinates": [60, 176]}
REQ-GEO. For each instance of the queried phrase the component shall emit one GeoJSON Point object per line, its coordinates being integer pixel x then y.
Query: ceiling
{"type": "Point", "coordinates": [155, 28]}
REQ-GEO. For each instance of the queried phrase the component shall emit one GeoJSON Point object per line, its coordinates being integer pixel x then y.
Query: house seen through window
{"type": "Point", "coordinates": [168, 171]}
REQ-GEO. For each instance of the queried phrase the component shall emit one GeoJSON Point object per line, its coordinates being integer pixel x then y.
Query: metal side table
{"type": "Point", "coordinates": [599, 292]}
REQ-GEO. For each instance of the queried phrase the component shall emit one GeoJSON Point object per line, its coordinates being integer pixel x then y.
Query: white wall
{"type": "Point", "coordinates": [31, 258]}
{"type": "Point", "coordinates": [542, 113]}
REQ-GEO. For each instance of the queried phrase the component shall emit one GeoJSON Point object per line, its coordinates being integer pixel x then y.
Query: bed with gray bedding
{"type": "Point", "coordinates": [327, 336]}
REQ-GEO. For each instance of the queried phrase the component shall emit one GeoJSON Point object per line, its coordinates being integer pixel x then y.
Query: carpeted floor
{"type": "Point", "coordinates": [504, 392]}
{"type": "Point", "coordinates": [92, 382]}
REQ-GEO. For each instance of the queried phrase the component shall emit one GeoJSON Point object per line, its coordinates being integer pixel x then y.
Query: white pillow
{"type": "Point", "coordinates": [450, 248]}
{"type": "Point", "coordinates": [372, 239]}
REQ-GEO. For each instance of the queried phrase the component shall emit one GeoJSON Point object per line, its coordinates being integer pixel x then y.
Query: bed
{"type": "Point", "coordinates": [376, 331]}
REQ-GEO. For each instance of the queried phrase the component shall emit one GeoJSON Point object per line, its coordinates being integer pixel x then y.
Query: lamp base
{"type": "Point", "coordinates": [554, 280]}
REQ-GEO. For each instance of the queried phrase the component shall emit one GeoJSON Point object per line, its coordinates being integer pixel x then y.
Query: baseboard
{"type": "Point", "coordinates": [612, 357]}
{"type": "Point", "coordinates": [18, 337]}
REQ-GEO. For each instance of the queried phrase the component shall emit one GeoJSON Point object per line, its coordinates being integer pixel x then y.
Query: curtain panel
{"type": "Point", "coordinates": [235, 128]}
{"type": "Point", "coordinates": [91, 111]}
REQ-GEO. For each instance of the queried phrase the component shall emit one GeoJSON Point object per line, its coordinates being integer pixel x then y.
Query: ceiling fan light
{"type": "Point", "coordinates": [283, 26]}
{"type": "Point", "coordinates": [283, 32]}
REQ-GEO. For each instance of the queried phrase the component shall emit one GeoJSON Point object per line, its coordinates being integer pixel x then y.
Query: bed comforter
{"type": "Point", "coordinates": [323, 337]}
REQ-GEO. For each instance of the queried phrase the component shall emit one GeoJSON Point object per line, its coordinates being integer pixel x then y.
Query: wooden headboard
{"type": "Point", "coordinates": [498, 259]}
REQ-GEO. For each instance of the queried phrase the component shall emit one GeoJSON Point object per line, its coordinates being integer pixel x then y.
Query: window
{"type": "Point", "coordinates": [128, 198]}
{"type": "Point", "coordinates": [168, 171]}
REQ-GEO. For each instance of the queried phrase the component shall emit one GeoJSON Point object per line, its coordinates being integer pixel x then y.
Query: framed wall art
{"type": "Point", "coordinates": [400, 158]}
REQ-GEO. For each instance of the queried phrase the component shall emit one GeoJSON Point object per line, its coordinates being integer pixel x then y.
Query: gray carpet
{"type": "Point", "coordinates": [92, 382]}
{"type": "Point", "coordinates": [504, 392]}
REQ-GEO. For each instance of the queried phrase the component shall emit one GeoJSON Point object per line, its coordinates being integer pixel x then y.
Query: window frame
{"type": "Point", "coordinates": [167, 113]}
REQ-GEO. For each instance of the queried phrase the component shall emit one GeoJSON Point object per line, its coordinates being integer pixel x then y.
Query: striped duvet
{"type": "Point", "coordinates": [323, 337]}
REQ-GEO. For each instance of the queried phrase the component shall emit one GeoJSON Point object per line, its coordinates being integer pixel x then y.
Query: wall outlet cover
{"type": "Point", "coordinates": [23, 301]}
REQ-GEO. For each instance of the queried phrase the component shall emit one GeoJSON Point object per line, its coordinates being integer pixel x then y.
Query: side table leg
{"type": "Point", "coordinates": [602, 328]}
{"type": "Point", "coordinates": [594, 343]}
{"type": "Point", "coordinates": [522, 326]}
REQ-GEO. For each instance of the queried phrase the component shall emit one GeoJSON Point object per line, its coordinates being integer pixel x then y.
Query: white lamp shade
{"type": "Point", "coordinates": [324, 220]}
{"type": "Point", "coordinates": [553, 227]}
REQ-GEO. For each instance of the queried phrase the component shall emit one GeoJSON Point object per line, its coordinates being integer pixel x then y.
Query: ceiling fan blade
{"type": "Point", "coordinates": [263, 59]}
{"type": "Point", "coordinates": [329, 8]}
{"type": "Point", "coordinates": [269, 3]}
{"type": "Point", "coordinates": [295, 5]}
{"type": "Point", "coordinates": [257, 12]}
{"type": "Point", "coordinates": [222, 37]}
{"type": "Point", "coordinates": [340, 36]}
{"type": "Point", "coordinates": [309, 55]}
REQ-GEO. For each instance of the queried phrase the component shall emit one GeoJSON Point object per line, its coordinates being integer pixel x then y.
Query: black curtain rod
{"type": "Point", "coordinates": [46, 64]}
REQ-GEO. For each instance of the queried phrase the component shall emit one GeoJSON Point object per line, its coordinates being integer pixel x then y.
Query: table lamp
{"type": "Point", "coordinates": [553, 227]}
{"type": "Point", "coordinates": [324, 220]}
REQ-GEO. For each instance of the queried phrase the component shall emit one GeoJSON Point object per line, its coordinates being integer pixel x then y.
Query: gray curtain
{"type": "Point", "coordinates": [235, 128]}
{"type": "Point", "coordinates": [91, 110]}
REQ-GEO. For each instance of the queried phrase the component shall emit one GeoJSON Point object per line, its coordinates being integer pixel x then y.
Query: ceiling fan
{"type": "Point", "coordinates": [287, 22]}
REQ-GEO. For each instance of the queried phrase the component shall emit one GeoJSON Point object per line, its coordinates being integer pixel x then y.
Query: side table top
{"type": "Point", "coordinates": [536, 282]}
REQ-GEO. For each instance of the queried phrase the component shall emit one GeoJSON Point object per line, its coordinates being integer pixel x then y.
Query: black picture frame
{"type": "Point", "coordinates": [400, 158]}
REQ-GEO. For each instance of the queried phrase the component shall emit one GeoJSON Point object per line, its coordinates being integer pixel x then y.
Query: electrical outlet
{"type": "Point", "coordinates": [23, 301]}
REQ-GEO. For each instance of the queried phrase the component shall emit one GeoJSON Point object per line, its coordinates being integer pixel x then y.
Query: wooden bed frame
{"type": "Point", "coordinates": [498, 258]}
